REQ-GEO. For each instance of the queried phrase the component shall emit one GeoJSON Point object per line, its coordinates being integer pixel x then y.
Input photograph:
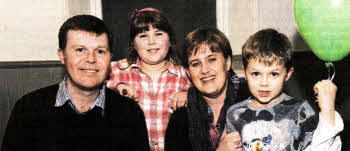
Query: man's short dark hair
{"type": "Point", "coordinates": [86, 23]}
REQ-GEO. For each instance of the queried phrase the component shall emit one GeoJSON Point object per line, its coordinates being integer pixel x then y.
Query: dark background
{"type": "Point", "coordinates": [19, 78]}
{"type": "Point", "coordinates": [185, 16]}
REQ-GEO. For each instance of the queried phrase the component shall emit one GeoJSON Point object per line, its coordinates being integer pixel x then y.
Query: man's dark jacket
{"type": "Point", "coordinates": [36, 124]}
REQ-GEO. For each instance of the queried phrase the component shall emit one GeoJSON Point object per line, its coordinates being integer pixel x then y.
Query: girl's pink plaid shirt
{"type": "Point", "coordinates": [154, 96]}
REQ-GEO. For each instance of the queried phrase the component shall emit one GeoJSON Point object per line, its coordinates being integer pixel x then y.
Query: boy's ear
{"type": "Point", "coordinates": [289, 74]}
{"type": "Point", "coordinates": [243, 70]}
{"type": "Point", "coordinates": [60, 54]}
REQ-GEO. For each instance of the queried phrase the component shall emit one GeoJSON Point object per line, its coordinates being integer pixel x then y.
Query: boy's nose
{"type": "Point", "coordinates": [264, 81]}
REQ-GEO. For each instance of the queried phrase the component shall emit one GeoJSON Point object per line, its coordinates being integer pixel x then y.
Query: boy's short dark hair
{"type": "Point", "coordinates": [86, 23]}
{"type": "Point", "coordinates": [268, 46]}
{"type": "Point", "coordinates": [212, 37]}
{"type": "Point", "coordinates": [140, 21]}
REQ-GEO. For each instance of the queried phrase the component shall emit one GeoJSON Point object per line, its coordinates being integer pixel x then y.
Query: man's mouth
{"type": "Point", "coordinates": [89, 70]}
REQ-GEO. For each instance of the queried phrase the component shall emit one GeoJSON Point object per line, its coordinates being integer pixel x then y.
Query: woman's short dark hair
{"type": "Point", "coordinates": [212, 37]}
{"type": "Point", "coordinates": [140, 21]}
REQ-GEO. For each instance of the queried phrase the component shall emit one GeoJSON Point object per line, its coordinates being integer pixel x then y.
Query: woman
{"type": "Point", "coordinates": [200, 126]}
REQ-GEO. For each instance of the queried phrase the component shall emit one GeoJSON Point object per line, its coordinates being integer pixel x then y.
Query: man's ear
{"type": "Point", "coordinates": [228, 63]}
{"type": "Point", "coordinates": [60, 54]}
{"type": "Point", "coordinates": [289, 74]}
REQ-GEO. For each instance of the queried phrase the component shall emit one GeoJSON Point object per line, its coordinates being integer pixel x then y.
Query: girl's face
{"type": "Point", "coordinates": [152, 46]}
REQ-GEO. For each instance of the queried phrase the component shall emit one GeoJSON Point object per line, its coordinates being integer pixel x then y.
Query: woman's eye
{"type": "Point", "coordinates": [194, 64]}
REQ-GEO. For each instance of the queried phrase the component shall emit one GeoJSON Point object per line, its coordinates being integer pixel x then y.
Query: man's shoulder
{"type": "Point", "coordinates": [117, 103]}
{"type": "Point", "coordinates": [37, 99]}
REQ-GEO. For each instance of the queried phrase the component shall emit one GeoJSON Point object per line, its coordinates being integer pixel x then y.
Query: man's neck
{"type": "Point", "coordinates": [81, 98]}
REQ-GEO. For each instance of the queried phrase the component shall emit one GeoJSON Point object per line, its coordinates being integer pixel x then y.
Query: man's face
{"type": "Point", "coordinates": [208, 71]}
{"type": "Point", "coordinates": [86, 59]}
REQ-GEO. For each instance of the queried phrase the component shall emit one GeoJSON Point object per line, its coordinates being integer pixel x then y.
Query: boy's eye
{"type": "Point", "coordinates": [255, 73]}
{"type": "Point", "coordinates": [79, 49]}
{"type": "Point", "coordinates": [275, 74]}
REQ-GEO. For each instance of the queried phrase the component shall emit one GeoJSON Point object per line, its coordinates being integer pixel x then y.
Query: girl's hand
{"type": "Point", "coordinates": [123, 64]}
{"type": "Point", "coordinates": [127, 91]}
{"type": "Point", "coordinates": [179, 100]}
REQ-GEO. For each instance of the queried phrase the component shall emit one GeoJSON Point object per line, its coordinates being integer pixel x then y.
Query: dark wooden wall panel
{"type": "Point", "coordinates": [17, 80]}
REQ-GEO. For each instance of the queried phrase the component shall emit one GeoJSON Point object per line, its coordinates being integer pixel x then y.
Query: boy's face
{"type": "Point", "coordinates": [265, 82]}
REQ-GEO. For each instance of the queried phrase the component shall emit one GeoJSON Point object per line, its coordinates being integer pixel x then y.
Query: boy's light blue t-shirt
{"type": "Point", "coordinates": [286, 125]}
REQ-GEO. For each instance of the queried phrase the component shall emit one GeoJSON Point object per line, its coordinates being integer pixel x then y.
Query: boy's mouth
{"type": "Point", "coordinates": [264, 93]}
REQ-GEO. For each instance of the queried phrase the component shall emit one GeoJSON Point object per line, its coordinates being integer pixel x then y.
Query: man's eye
{"type": "Point", "coordinates": [212, 59]}
{"type": "Point", "coordinates": [100, 51]}
{"type": "Point", "coordinates": [275, 74]}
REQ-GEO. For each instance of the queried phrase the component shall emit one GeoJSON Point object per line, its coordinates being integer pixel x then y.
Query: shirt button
{"type": "Point", "coordinates": [154, 122]}
{"type": "Point", "coordinates": [154, 142]}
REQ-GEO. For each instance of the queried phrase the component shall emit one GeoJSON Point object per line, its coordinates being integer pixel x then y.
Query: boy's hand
{"type": "Point", "coordinates": [230, 142]}
{"type": "Point", "coordinates": [123, 64]}
{"type": "Point", "coordinates": [126, 91]}
{"type": "Point", "coordinates": [179, 100]}
{"type": "Point", "coordinates": [326, 92]}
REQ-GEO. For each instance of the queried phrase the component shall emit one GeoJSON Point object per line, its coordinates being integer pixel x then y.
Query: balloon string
{"type": "Point", "coordinates": [329, 71]}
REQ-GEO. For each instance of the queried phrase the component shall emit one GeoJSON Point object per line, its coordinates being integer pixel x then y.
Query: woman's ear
{"type": "Point", "coordinates": [228, 64]}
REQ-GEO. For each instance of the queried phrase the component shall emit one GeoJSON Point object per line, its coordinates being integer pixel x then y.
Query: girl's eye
{"type": "Point", "coordinates": [255, 73]}
{"type": "Point", "coordinates": [159, 34]}
{"type": "Point", "coordinates": [79, 50]}
{"type": "Point", "coordinates": [142, 35]}
{"type": "Point", "coordinates": [275, 74]}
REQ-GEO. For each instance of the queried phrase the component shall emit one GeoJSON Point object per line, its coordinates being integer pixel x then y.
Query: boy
{"type": "Point", "coordinates": [272, 120]}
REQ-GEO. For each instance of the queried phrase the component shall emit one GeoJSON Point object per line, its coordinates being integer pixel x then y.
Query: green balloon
{"type": "Point", "coordinates": [325, 26]}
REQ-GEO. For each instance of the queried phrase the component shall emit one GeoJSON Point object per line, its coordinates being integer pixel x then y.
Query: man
{"type": "Point", "coordinates": [79, 113]}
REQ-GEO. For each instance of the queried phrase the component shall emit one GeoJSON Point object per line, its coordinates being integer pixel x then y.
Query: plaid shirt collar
{"type": "Point", "coordinates": [63, 96]}
{"type": "Point", "coordinates": [169, 66]}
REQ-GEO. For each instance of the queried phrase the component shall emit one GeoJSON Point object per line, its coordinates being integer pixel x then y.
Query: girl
{"type": "Point", "coordinates": [153, 77]}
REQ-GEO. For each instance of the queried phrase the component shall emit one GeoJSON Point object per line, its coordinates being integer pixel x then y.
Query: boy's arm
{"type": "Point", "coordinates": [330, 122]}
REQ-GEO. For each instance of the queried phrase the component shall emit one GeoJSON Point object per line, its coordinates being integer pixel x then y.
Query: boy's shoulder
{"type": "Point", "coordinates": [241, 105]}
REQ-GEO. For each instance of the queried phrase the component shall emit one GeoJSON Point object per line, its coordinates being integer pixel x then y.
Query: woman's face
{"type": "Point", "coordinates": [152, 46]}
{"type": "Point", "coordinates": [208, 71]}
